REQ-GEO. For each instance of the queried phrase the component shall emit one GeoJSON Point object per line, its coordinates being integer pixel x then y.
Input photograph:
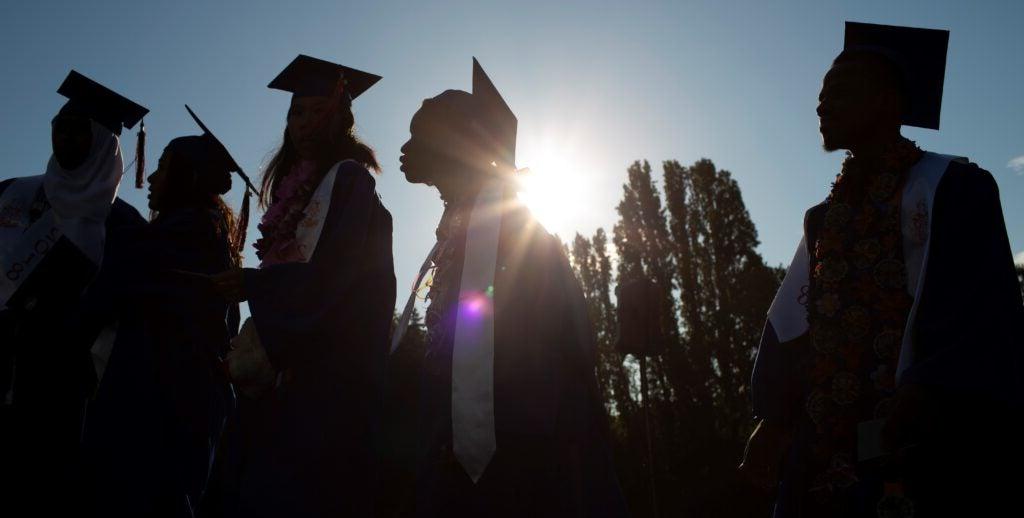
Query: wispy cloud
{"type": "Point", "coordinates": [1019, 258]}
{"type": "Point", "coordinates": [1017, 164]}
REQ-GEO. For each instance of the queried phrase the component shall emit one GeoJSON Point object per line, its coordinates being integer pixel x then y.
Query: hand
{"type": "Point", "coordinates": [230, 285]}
{"type": "Point", "coordinates": [909, 420]}
{"type": "Point", "coordinates": [765, 449]}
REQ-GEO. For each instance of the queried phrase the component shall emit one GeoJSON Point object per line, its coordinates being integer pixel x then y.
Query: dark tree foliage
{"type": "Point", "coordinates": [700, 249]}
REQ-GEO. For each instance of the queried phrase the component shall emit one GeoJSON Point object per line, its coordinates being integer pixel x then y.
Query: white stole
{"type": "Point", "coordinates": [473, 431]}
{"type": "Point", "coordinates": [23, 244]}
{"type": "Point", "coordinates": [788, 312]}
{"type": "Point", "coordinates": [403, 322]}
{"type": "Point", "coordinates": [307, 232]}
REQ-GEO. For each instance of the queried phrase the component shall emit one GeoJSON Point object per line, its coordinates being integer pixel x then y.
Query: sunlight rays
{"type": "Point", "coordinates": [554, 188]}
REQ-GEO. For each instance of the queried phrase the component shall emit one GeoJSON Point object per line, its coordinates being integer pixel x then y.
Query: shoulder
{"type": "Point", "coordinates": [122, 213]}
{"type": "Point", "coordinates": [966, 184]}
{"type": "Point", "coordinates": [355, 184]}
{"type": "Point", "coordinates": [814, 216]}
{"type": "Point", "coordinates": [353, 174]}
{"type": "Point", "coordinates": [519, 226]}
{"type": "Point", "coordinates": [965, 173]}
{"type": "Point", "coordinates": [5, 183]}
{"type": "Point", "coordinates": [187, 217]}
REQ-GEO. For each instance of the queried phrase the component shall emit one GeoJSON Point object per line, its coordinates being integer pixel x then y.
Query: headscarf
{"type": "Point", "coordinates": [81, 197]}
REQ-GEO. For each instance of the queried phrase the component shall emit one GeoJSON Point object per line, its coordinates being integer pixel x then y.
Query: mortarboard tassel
{"type": "Point", "coordinates": [241, 224]}
{"type": "Point", "coordinates": [140, 156]}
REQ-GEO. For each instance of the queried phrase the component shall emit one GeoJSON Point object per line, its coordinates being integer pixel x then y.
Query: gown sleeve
{"type": "Point", "coordinates": [777, 382]}
{"type": "Point", "coordinates": [968, 334]}
{"type": "Point", "coordinates": [292, 304]}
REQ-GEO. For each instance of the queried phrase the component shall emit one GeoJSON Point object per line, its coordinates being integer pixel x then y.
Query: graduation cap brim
{"type": "Point", "coordinates": [920, 54]}
{"type": "Point", "coordinates": [494, 114]}
{"type": "Point", "coordinates": [99, 103]}
{"type": "Point", "coordinates": [307, 76]}
{"type": "Point", "coordinates": [221, 148]}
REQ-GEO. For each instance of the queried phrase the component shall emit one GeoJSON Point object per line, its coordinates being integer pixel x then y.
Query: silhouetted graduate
{"type": "Point", "coordinates": [309, 363]}
{"type": "Point", "coordinates": [512, 423]}
{"type": "Point", "coordinates": [60, 233]}
{"type": "Point", "coordinates": [888, 380]}
{"type": "Point", "coordinates": [163, 400]}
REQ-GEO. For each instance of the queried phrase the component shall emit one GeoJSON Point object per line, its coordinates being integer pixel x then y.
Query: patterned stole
{"type": "Point", "coordinates": [788, 312]}
{"type": "Point", "coordinates": [24, 242]}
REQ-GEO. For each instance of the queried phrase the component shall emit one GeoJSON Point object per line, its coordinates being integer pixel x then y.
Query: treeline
{"type": "Point", "coordinates": [699, 247]}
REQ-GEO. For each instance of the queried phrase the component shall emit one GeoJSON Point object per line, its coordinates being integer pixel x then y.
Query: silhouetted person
{"type": "Point", "coordinates": [61, 233]}
{"type": "Point", "coordinates": [163, 399]}
{"type": "Point", "coordinates": [309, 364]}
{"type": "Point", "coordinates": [888, 379]}
{"type": "Point", "coordinates": [512, 423]}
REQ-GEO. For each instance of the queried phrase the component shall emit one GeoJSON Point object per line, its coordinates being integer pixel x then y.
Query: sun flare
{"type": "Point", "coordinates": [552, 189]}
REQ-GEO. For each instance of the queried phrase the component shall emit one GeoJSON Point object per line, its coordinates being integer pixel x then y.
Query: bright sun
{"type": "Point", "coordinates": [552, 189]}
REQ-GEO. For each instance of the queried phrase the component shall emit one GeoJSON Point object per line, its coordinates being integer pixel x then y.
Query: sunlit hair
{"type": "Point", "coordinates": [345, 145]}
{"type": "Point", "coordinates": [189, 186]}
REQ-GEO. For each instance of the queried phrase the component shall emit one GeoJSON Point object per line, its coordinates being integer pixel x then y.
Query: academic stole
{"type": "Point", "coordinates": [26, 250]}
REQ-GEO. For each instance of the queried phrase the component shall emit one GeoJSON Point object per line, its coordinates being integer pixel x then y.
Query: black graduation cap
{"type": "Point", "coordinates": [919, 53]}
{"type": "Point", "coordinates": [99, 103]}
{"type": "Point", "coordinates": [223, 156]}
{"type": "Point", "coordinates": [307, 76]}
{"type": "Point", "coordinates": [495, 115]}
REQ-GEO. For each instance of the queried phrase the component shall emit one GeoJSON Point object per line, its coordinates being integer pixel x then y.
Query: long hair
{"type": "Point", "coordinates": [191, 187]}
{"type": "Point", "coordinates": [343, 145]}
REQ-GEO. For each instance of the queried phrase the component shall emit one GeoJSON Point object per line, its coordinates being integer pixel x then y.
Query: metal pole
{"type": "Point", "coordinates": [647, 429]}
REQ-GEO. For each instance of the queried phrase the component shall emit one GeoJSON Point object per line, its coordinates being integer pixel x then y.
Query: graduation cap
{"type": "Point", "coordinates": [307, 76]}
{"type": "Point", "coordinates": [495, 115]}
{"type": "Point", "coordinates": [99, 103]}
{"type": "Point", "coordinates": [220, 154]}
{"type": "Point", "coordinates": [217, 154]}
{"type": "Point", "coordinates": [920, 54]}
{"type": "Point", "coordinates": [107, 108]}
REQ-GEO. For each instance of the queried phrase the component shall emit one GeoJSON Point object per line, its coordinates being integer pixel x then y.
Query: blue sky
{"type": "Point", "coordinates": [595, 85]}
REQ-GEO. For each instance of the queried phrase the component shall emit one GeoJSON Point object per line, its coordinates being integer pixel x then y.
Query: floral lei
{"type": "Point", "coordinates": [277, 244]}
{"type": "Point", "coordinates": [858, 310]}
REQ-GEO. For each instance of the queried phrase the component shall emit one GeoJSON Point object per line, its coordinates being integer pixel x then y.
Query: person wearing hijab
{"type": "Point", "coordinates": [61, 240]}
{"type": "Point", "coordinates": [309, 363]}
{"type": "Point", "coordinates": [512, 423]}
{"type": "Point", "coordinates": [151, 433]}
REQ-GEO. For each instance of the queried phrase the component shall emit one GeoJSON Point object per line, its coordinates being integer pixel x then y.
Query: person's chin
{"type": "Point", "coordinates": [412, 176]}
{"type": "Point", "coordinates": [414, 179]}
{"type": "Point", "coordinates": [830, 144]}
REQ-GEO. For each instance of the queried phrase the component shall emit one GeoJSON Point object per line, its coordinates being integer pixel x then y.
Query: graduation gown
{"type": "Point", "coordinates": [552, 456]}
{"type": "Point", "coordinates": [968, 342]}
{"type": "Point", "coordinates": [307, 447]}
{"type": "Point", "coordinates": [152, 430]}
{"type": "Point", "coordinates": [49, 345]}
